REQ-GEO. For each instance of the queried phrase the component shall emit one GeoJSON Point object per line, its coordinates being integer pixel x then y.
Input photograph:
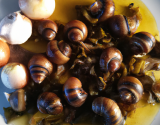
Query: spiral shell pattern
{"type": "Point", "coordinates": [130, 89]}
{"type": "Point", "coordinates": [17, 100]}
{"type": "Point", "coordinates": [142, 43]}
{"type": "Point", "coordinates": [109, 110]}
{"type": "Point", "coordinates": [102, 9]}
{"type": "Point", "coordinates": [39, 67]}
{"type": "Point", "coordinates": [73, 92]}
{"type": "Point", "coordinates": [49, 103]}
{"type": "Point", "coordinates": [110, 59]}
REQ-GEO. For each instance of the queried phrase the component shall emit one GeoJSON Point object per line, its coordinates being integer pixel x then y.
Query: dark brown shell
{"type": "Point", "coordinates": [4, 53]}
{"type": "Point", "coordinates": [17, 100]}
{"type": "Point", "coordinates": [109, 110]}
{"type": "Point", "coordinates": [39, 67]}
{"type": "Point", "coordinates": [130, 89]}
{"type": "Point", "coordinates": [47, 29]}
{"type": "Point", "coordinates": [102, 9]}
{"type": "Point", "coordinates": [49, 103]}
{"type": "Point", "coordinates": [142, 43]}
{"type": "Point", "coordinates": [75, 31]}
{"type": "Point", "coordinates": [110, 59]}
{"type": "Point", "coordinates": [73, 92]}
{"type": "Point", "coordinates": [120, 26]}
{"type": "Point", "coordinates": [58, 52]}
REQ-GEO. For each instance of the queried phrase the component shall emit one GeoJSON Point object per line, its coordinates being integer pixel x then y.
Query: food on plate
{"type": "Point", "coordinates": [47, 29]}
{"type": "Point", "coordinates": [102, 9]}
{"type": "Point", "coordinates": [59, 52]}
{"type": "Point", "coordinates": [130, 89]}
{"type": "Point", "coordinates": [17, 100]}
{"type": "Point", "coordinates": [39, 67]}
{"type": "Point", "coordinates": [49, 103]}
{"type": "Point", "coordinates": [73, 92]}
{"type": "Point", "coordinates": [15, 28]}
{"type": "Point", "coordinates": [37, 9]}
{"type": "Point", "coordinates": [108, 109]}
{"type": "Point", "coordinates": [4, 53]}
{"type": "Point", "coordinates": [88, 70]}
{"type": "Point", "coordinates": [14, 75]}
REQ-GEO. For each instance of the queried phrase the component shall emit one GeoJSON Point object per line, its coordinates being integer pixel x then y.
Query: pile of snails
{"type": "Point", "coordinates": [41, 66]}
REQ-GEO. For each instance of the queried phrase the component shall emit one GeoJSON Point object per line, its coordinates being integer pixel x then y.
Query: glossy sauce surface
{"type": "Point", "coordinates": [65, 11]}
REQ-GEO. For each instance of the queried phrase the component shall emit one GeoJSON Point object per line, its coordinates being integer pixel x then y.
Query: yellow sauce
{"type": "Point", "coordinates": [65, 11]}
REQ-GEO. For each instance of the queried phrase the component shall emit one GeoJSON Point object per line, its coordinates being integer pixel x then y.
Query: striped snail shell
{"type": "Point", "coordinates": [39, 67]}
{"type": "Point", "coordinates": [102, 9]}
{"type": "Point", "coordinates": [49, 103]}
{"type": "Point", "coordinates": [130, 89]}
{"type": "Point", "coordinates": [142, 43]}
{"type": "Point", "coordinates": [47, 29]}
{"type": "Point", "coordinates": [109, 110]}
{"type": "Point", "coordinates": [110, 59]}
{"type": "Point", "coordinates": [120, 26]}
{"type": "Point", "coordinates": [58, 52]}
{"type": "Point", "coordinates": [17, 100]}
{"type": "Point", "coordinates": [76, 31]}
{"type": "Point", "coordinates": [73, 92]}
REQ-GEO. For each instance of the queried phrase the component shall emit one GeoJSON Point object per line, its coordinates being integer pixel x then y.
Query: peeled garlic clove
{"type": "Point", "coordinates": [37, 9]}
{"type": "Point", "coordinates": [15, 28]}
{"type": "Point", "coordinates": [14, 75]}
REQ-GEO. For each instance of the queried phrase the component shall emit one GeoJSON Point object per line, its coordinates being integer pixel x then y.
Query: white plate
{"type": "Point", "coordinates": [8, 6]}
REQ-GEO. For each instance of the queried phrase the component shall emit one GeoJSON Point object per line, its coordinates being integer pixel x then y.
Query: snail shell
{"type": "Point", "coordinates": [48, 29]}
{"type": "Point", "coordinates": [49, 103]}
{"type": "Point", "coordinates": [75, 31]}
{"type": "Point", "coordinates": [4, 53]}
{"type": "Point", "coordinates": [14, 75]}
{"type": "Point", "coordinates": [110, 59]}
{"type": "Point", "coordinates": [142, 43]}
{"type": "Point", "coordinates": [58, 52]}
{"type": "Point", "coordinates": [17, 100]}
{"type": "Point", "coordinates": [120, 26]}
{"type": "Point", "coordinates": [130, 89]}
{"type": "Point", "coordinates": [39, 67]}
{"type": "Point", "coordinates": [73, 92]}
{"type": "Point", "coordinates": [109, 110]}
{"type": "Point", "coordinates": [102, 9]}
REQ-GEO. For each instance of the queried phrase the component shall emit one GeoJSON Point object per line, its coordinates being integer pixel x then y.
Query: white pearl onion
{"type": "Point", "coordinates": [14, 75]}
{"type": "Point", "coordinates": [37, 9]}
{"type": "Point", "coordinates": [15, 28]}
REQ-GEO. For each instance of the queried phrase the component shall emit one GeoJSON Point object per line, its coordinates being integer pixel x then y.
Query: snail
{"type": "Point", "coordinates": [39, 67]}
{"type": "Point", "coordinates": [156, 89]}
{"type": "Point", "coordinates": [102, 9]}
{"type": "Point", "coordinates": [47, 29]}
{"type": "Point", "coordinates": [49, 103]}
{"type": "Point", "coordinates": [109, 110]}
{"type": "Point", "coordinates": [142, 43]}
{"type": "Point", "coordinates": [76, 31]}
{"type": "Point", "coordinates": [73, 92]}
{"type": "Point", "coordinates": [110, 59]}
{"type": "Point", "coordinates": [15, 28]}
{"type": "Point", "coordinates": [17, 100]}
{"type": "Point", "coordinates": [14, 75]}
{"type": "Point", "coordinates": [37, 9]}
{"type": "Point", "coordinates": [4, 53]}
{"type": "Point", "coordinates": [130, 89]}
{"type": "Point", "coordinates": [58, 52]}
{"type": "Point", "coordinates": [120, 26]}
